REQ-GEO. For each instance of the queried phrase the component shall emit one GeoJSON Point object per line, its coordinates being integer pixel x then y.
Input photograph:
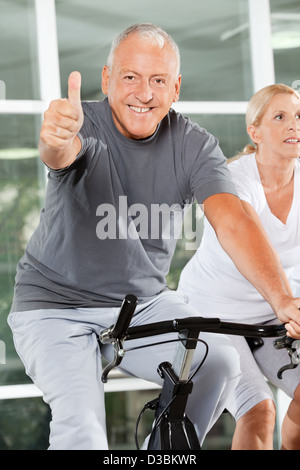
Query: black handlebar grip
{"type": "Point", "coordinates": [119, 329]}
{"type": "Point", "coordinates": [125, 315]}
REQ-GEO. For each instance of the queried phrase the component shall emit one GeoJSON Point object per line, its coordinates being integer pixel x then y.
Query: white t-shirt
{"type": "Point", "coordinates": [210, 279]}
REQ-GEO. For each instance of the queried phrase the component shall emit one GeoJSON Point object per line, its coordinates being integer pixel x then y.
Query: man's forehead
{"type": "Point", "coordinates": [133, 50]}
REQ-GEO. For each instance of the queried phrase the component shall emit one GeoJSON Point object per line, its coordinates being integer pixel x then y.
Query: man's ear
{"type": "Point", "coordinates": [177, 89]}
{"type": "Point", "coordinates": [105, 79]}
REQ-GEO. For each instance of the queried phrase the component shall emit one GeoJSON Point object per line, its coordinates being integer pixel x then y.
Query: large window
{"type": "Point", "coordinates": [228, 50]}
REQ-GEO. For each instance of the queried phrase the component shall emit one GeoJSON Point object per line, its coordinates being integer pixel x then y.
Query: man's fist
{"type": "Point", "coordinates": [62, 122]}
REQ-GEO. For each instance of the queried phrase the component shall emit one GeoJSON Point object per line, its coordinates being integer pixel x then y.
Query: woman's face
{"type": "Point", "coordinates": [279, 130]}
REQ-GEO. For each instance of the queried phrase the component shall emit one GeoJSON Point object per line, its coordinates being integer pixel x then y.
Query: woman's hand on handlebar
{"type": "Point", "coordinates": [289, 314]}
{"type": "Point", "coordinates": [293, 329]}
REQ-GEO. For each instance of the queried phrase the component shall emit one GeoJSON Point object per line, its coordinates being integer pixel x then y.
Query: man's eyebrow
{"type": "Point", "coordinates": [127, 71]}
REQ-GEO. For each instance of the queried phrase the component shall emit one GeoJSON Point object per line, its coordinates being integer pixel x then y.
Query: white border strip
{"type": "Point", "coordinates": [11, 392]}
{"type": "Point", "coordinates": [184, 107]}
{"type": "Point", "coordinates": [22, 107]}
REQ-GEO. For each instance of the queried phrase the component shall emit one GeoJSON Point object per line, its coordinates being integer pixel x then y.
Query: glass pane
{"type": "Point", "coordinates": [22, 181]}
{"type": "Point", "coordinates": [212, 36]}
{"type": "Point", "coordinates": [286, 41]}
{"type": "Point", "coordinates": [18, 52]}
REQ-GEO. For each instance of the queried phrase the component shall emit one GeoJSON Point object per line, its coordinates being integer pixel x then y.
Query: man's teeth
{"type": "Point", "coordinates": [140, 110]}
{"type": "Point", "coordinates": [294, 141]}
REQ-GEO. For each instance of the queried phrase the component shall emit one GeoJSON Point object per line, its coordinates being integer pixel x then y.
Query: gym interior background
{"type": "Point", "coordinates": [229, 49]}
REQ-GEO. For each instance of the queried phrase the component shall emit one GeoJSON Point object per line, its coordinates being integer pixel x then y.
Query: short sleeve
{"type": "Point", "coordinates": [207, 165]}
{"type": "Point", "coordinates": [244, 178]}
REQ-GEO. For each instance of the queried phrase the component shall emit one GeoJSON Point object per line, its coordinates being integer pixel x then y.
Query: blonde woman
{"type": "Point", "coordinates": [267, 178]}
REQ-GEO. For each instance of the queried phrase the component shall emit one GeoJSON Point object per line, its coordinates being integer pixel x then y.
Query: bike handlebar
{"type": "Point", "coordinates": [211, 325]}
{"type": "Point", "coordinates": [121, 330]}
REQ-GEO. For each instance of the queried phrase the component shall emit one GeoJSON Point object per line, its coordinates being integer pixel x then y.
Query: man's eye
{"type": "Point", "coordinates": [279, 117]}
{"type": "Point", "coordinates": [129, 77]}
{"type": "Point", "coordinates": [159, 81]}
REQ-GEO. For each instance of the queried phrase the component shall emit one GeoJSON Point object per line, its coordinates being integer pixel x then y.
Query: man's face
{"type": "Point", "coordinates": [141, 85]}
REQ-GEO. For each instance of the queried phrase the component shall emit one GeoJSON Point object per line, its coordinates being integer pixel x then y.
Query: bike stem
{"type": "Point", "coordinates": [184, 353]}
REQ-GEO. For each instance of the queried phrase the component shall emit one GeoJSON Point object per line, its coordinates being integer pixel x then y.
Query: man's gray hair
{"type": "Point", "coordinates": [145, 31]}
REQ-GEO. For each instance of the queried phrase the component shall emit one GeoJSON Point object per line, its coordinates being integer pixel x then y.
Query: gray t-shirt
{"type": "Point", "coordinates": [101, 234]}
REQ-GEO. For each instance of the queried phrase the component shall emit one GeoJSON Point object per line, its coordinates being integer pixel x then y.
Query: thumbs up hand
{"type": "Point", "coordinates": [74, 86]}
{"type": "Point", "coordinates": [59, 143]}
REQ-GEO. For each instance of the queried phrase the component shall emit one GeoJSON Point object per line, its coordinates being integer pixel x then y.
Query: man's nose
{"type": "Point", "coordinates": [144, 92]}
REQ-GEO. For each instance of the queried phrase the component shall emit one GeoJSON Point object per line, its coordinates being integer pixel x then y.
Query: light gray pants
{"type": "Point", "coordinates": [61, 354]}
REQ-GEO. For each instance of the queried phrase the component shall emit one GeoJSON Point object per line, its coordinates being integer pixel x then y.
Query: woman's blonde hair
{"type": "Point", "coordinates": [257, 107]}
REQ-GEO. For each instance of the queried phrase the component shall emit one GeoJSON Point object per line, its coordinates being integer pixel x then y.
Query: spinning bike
{"type": "Point", "coordinates": [172, 429]}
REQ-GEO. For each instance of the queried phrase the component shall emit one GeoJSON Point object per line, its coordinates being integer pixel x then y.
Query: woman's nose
{"type": "Point", "coordinates": [294, 122]}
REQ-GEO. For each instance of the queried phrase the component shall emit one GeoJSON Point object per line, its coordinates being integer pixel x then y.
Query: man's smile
{"type": "Point", "coordinates": [139, 109]}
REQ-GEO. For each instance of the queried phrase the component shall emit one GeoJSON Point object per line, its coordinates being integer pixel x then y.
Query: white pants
{"type": "Point", "coordinates": [60, 352]}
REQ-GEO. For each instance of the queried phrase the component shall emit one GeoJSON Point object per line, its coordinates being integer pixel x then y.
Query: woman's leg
{"type": "Point", "coordinates": [252, 405]}
{"type": "Point", "coordinates": [290, 432]}
{"type": "Point", "coordinates": [254, 430]}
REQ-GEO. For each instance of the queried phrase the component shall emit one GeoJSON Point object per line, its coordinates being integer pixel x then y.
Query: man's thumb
{"type": "Point", "coordinates": [74, 85]}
